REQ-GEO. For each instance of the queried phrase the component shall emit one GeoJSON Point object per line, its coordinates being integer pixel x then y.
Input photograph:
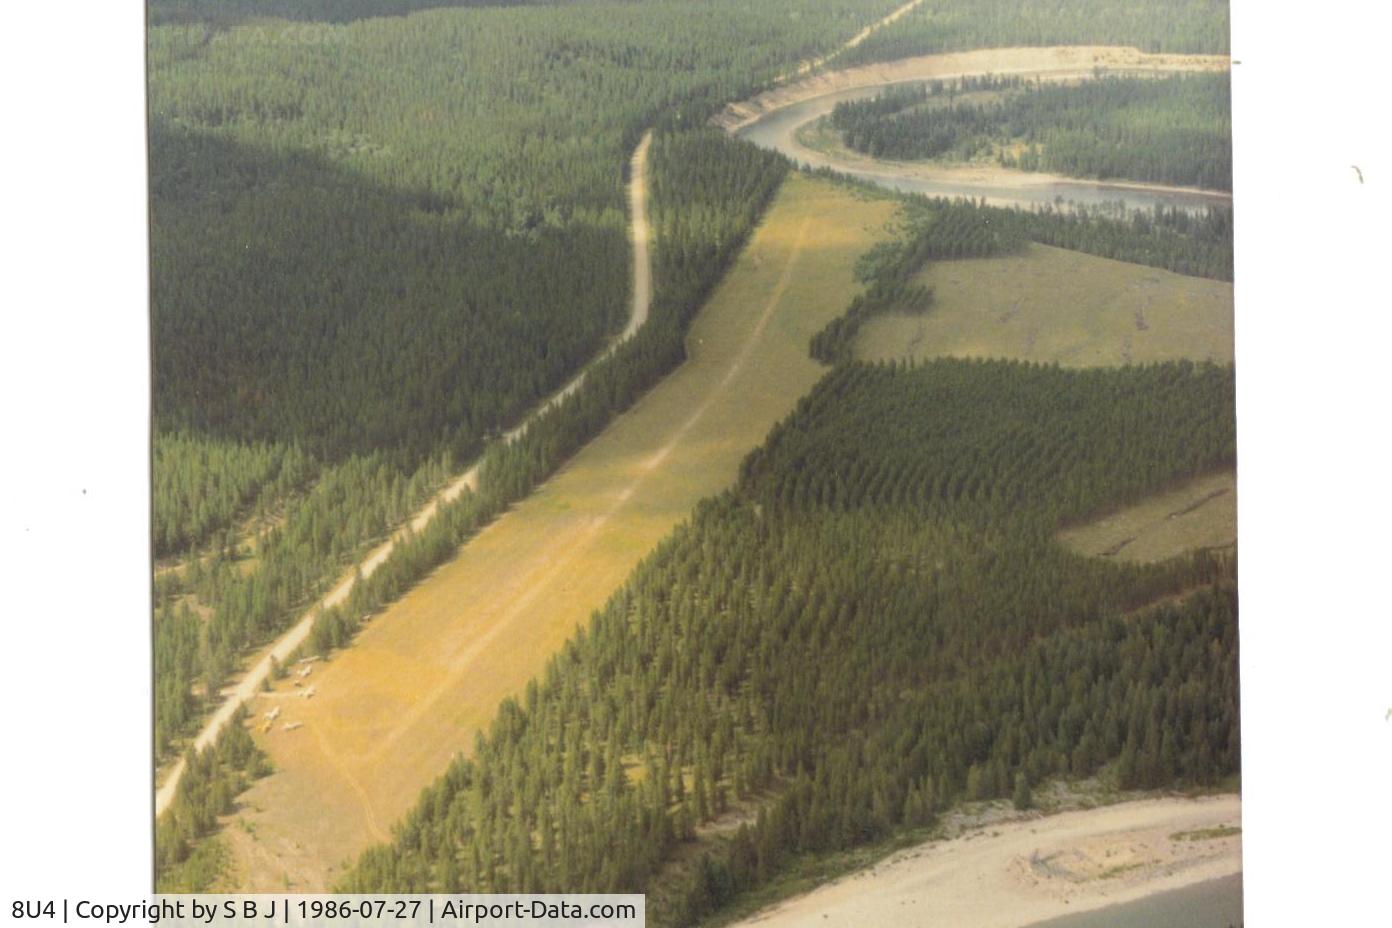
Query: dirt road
{"type": "Point", "coordinates": [251, 684]}
{"type": "Point", "coordinates": [808, 67]}
{"type": "Point", "coordinates": [1016, 874]}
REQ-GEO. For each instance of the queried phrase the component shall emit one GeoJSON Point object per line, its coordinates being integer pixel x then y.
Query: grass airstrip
{"type": "Point", "coordinates": [390, 711]}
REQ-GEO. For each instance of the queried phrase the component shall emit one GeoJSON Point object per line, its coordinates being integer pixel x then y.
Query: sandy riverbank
{"type": "Point", "coordinates": [1018, 873]}
{"type": "Point", "coordinates": [1079, 60]}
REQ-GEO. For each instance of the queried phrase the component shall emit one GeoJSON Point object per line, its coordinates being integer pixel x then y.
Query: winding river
{"type": "Point", "coordinates": [777, 130]}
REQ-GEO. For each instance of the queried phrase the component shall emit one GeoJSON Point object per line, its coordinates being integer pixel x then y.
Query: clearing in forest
{"type": "Point", "coordinates": [1051, 305]}
{"type": "Point", "coordinates": [1202, 513]}
{"type": "Point", "coordinates": [390, 711]}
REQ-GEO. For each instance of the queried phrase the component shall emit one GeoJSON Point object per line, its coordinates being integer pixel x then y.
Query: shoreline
{"type": "Point", "coordinates": [1034, 869]}
{"type": "Point", "coordinates": [767, 118]}
{"type": "Point", "coordinates": [1058, 60]}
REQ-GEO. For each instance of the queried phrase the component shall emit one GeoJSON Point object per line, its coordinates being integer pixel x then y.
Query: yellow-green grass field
{"type": "Point", "coordinates": [1051, 305]}
{"type": "Point", "coordinates": [391, 710]}
{"type": "Point", "coordinates": [1200, 514]}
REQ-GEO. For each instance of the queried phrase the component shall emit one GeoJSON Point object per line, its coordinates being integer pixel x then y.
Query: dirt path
{"type": "Point", "coordinates": [251, 684]}
{"type": "Point", "coordinates": [1016, 874]}
{"type": "Point", "coordinates": [808, 67]}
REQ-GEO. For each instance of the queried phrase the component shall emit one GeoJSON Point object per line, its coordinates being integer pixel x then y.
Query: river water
{"type": "Point", "coordinates": [1211, 904]}
{"type": "Point", "coordinates": [777, 129]}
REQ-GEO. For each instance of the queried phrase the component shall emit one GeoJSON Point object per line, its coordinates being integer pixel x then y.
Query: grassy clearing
{"type": "Point", "coordinates": [1199, 514]}
{"type": "Point", "coordinates": [1052, 305]}
{"type": "Point", "coordinates": [390, 711]}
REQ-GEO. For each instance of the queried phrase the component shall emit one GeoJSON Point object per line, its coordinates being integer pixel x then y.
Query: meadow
{"type": "Point", "coordinates": [1052, 305]}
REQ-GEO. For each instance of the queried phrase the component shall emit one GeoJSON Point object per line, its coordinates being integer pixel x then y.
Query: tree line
{"type": "Point", "coordinates": [947, 230]}
{"type": "Point", "coordinates": [1197, 243]}
{"type": "Point", "coordinates": [935, 229]}
{"type": "Point", "coordinates": [212, 778]}
{"type": "Point", "coordinates": [874, 624]}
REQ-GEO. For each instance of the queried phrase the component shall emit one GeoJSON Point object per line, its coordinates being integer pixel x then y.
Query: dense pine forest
{"type": "Point", "coordinates": [1172, 130]}
{"type": "Point", "coordinates": [393, 236]}
{"type": "Point", "coordinates": [1190, 26]}
{"type": "Point", "coordinates": [374, 245]}
{"type": "Point", "coordinates": [896, 533]}
{"type": "Point", "coordinates": [360, 250]}
{"type": "Point", "coordinates": [1195, 244]}
{"type": "Point", "coordinates": [203, 485]}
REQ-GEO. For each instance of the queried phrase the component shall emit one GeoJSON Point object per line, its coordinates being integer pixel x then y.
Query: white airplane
{"type": "Point", "coordinates": [273, 714]}
{"type": "Point", "coordinates": [307, 693]}
{"type": "Point", "coordinates": [291, 726]}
